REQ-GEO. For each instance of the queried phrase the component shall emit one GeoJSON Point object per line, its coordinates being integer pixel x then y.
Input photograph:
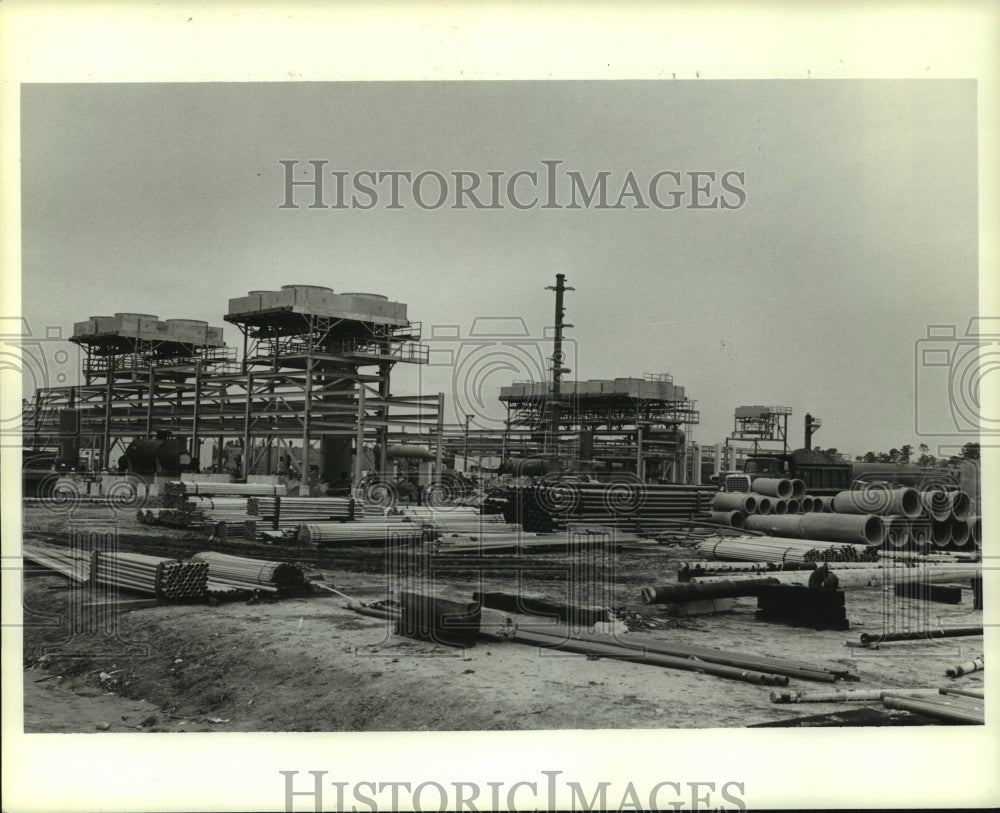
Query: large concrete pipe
{"type": "Point", "coordinates": [895, 532]}
{"type": "Point", "coordinates": [920, 532]}
{"type": "Point", "coordinates": [823, 505]}
{"type": "Point", "coordinates": [764, 505]}
{"type": "Point", "coordinates": [779, 507]}
{"type": "Point", "coordinates": [866, 529]}
{"type": "Point", "coordinates": [798, 487]}
{"type": "Point", "coordinates": [807, 504]}
{"type": "Point", "coordinates": [732, 519]}
{"type": "Point", "coordinates": [940, 533]}
{"type": "Point", "coordinates": [959, 504]}
{"type": "Point", "coordinates": [959, 533]}
{"type": "Point", "coordinates": [936, 503]}
{"type": "Point", "coordinates": [793, 506]}
{"type": "Point", "coordinates": [773, 487]}
{"type": "Point", "coordinates": [787, 526]}
{"type": "Point", "coordinates": [876, 499]}
{"type": "Point", "coordinates": [734, 501]}
{"type": "Point", "coordinates": [976, 530]}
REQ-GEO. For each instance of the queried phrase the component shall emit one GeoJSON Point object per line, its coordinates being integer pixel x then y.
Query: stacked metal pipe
{"type": "Point", "coordinates": [184, 488]}
{"type": "Point", "coordinates": [773, 549]}
{"type": "Point", "coordinates": [629, 505]}
{"type": "Point", "coordinates": [223, 567]}
{"type": "Point", "coordinates": [167, 578]}
{"type": "Point", "coordinates": [73, 564]}
{"type": "Point", "coordinates": [358, 533]}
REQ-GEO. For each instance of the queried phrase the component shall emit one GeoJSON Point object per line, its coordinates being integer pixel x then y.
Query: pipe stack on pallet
{"type": "Point", "coordinates": [164, 578]}
{"type": "Point", "coordinates": [325, 534]}
{"type": "Point", "coordinates": [773, 549]}
{"type": "Point", "coordinates": [211, 488]}
{"type": "Point", "coordinates": [240, 571]}
{"type": "Point", "coordinates": [642, 508]}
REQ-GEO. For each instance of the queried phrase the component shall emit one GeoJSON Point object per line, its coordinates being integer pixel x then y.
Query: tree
{"type": "Point", "coordinates": [970, 451]}
{"type": "Point", "coordinates": [904, 453]}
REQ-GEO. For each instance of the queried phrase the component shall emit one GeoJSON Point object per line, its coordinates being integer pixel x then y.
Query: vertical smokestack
{"type": "Point", "coordinates": [557, 352]}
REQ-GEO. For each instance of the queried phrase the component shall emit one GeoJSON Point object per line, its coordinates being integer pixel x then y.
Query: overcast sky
{"type": "Point", "coordinates": [859, 226]}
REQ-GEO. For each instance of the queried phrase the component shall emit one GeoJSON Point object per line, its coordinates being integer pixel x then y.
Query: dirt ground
{"type": "Point", "coordinates": [310, 664]}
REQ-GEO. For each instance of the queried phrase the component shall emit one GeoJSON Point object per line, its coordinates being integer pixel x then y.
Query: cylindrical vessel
{"type": "Point", "coordinates": [779, 507]}
{"type": "Point", "coordinates": [793, 505]}
{"type": "Point", "coordinates": [798, 487]}
{"type": "Point", "coordinates": [807, 504]}
{"type": "Point", "coordinates": [764, 505]}
{"type": "Point", "coordinates": [842, 528]}
{"type": "Point", "coordinates": [773, 487]}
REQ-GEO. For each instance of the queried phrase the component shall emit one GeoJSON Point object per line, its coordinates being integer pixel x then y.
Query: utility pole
{"type": "Point", "coordinates": [558, 357]}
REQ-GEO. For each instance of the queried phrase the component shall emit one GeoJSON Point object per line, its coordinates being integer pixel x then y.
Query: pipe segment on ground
{"type": "Point", "coordinates": [966, 667]}
{"type": "Point", "coordinates": [931, 709]}
{"type": "Point", "coordinates": [959, 533]}
{"type": "Point", "coordinates": [765, 505]}
{"type": "Point", "coordinates": [870, 577]}
{"type": "Point", "coordinates": [940, 533]}
{"type": "Point", "coordinates": [895, 532]}
{"type": "Point", "coordinates": [807, 503]}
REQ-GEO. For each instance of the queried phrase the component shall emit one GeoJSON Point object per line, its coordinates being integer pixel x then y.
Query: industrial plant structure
{"type": "Point", "coordinates": [315, 371]}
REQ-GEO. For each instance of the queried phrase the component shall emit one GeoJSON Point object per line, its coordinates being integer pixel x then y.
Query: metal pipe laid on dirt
{"type": "Point", "coordinates": [848, 696]}
{"type": "Point", "coordinates": [571, 644]}
{"type": "Point", "coordinates": [940, 711]}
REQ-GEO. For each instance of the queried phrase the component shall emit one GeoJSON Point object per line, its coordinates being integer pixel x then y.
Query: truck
{"type": "Point", "coordinates": [825, 475]}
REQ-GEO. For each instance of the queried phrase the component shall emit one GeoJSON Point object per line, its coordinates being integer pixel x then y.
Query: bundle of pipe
{"type": "Point", "coordinates": [70, 563]}
{"type": "Point", "coordinates": [523, 543]}
{"type": "Point", "coordinates": [629, 505]}
{"type": "Point", "coordinates": [955, 710]}
{"type": "Point", "coordinates": [169, 578]}
{"type": "Point", "coordinates": [877, 499]}
{"type": "Point", "coordinates": [351, 533]}
{"type": "Point", "coordinates": [183, 488]}
{"type": "Point", "coordinates": [433, 512]}
{"type": "Point", "coordinates": [773, 549]}
{"type": "Point", "coordinates": [224, 567]}
{"type": "Point", "coordinates": [301, 508]}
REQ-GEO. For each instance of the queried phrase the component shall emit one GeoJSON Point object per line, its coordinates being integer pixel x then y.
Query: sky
{"type": "Point", "coordinates": [857, 229]}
